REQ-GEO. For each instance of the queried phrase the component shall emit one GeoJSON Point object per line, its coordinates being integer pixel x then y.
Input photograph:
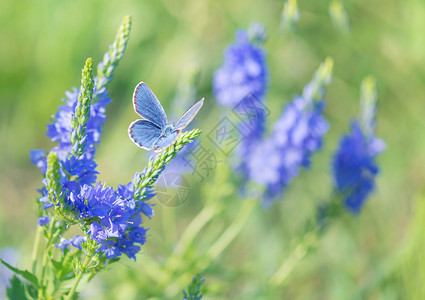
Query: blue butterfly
{"type": "Point", "coordinates": [154, 131]}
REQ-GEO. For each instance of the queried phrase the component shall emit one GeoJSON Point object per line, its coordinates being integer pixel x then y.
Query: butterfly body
{"type": "Point", "coordinates": [154, 131]}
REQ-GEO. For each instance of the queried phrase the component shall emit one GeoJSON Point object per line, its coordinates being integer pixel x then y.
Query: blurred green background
{"type": "Point", "coordinates": [44, 43]}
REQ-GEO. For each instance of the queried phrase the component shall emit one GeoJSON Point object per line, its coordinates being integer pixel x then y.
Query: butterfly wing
{"type": "Point", "coordinates": [166, 141]}
{"type": "Point", "coordinates": [144, 133]}
{"type": "Point", "coordinates": [147, 105]}
{"type": "Point", "coordinates": [189, 115]}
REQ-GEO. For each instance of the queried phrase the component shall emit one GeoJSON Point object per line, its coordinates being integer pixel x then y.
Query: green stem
{"type": "Point", "coordinates": [204, 216]}
{"type": "Point", "coordinates": [78, 278]}
{"type": "Point", "coordinates": [230, 234]}
{"type": "Point", "coordinates": [308, 239]}
{"type": "Point", "coordinates": [188, 236]}
{"type": "Point", "coordinates": [45, 258]}
{"type": "Point", "coordinates": [295, 256]}
{"type": "Point", "coordinates": [35, 248]}
{"type": "Point", "coordinates": [221, 243]}
{"type": "Point", "coordinates": [169, 225]}
{"type": "Point", "coordinates": [220, 190]}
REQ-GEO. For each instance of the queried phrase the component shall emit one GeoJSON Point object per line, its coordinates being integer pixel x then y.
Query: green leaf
{"type": "Point", "coordinates": [24, 273]}
{"type": "Point", "coordinates": [64, 269]}
{"type": "Point", "coordinates": [16, 291]}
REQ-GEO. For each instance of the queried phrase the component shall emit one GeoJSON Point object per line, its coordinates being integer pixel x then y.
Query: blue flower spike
{"type": "Point", "coordinates": [241, 83]}
{"type": "Point", "coordinates": [354, 162]}
{"type": "Point", "coordinates": [111, 219]}
{"type": "Point", "coordinates": [244, 71]}
{"type": "Point", "coordinates": [296, 136]}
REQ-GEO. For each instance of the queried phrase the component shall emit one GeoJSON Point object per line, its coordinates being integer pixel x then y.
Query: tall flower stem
{"type": "Point", "coordinates": [297, 254]}
{"type": "Point", "coordinates": [308, 239]}
{"type": "Point", "coordinates": [218, 246]}
{"type": "Point", "coordinates": [45, 257]}
{"type": "Point", "coordinates": [78, 278]}
{"type": "Point", "coordinates": [169, 225]}
{"type": "Point", "coordinates": [230, 233]}
{"type": "Point", "coordinates": [219, 187]}
{"type": "Point", "coordinates": [35, 248]}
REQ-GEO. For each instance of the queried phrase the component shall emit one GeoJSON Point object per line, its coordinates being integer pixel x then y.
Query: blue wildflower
{"type": "Point", "coordinates": [251, 113]}
{"type": "Point", "coordinates": [113, 209]}
{"type": "Point", "coordinates": [76, 241]}
{"type": "Point", "coordinates": [355, 168]}
{"type": "Point", "coordinates": [296, 136]}
{"type": "Point", "coordinates": [110, 217]}
{"type": "Point", "coordinates": [38, 157]}
{"type": "Point", "coordinates": [64, 243]}
{"type": "Point", "coordinates": [241, 83]}
{"type": "Point", "coordinates": [126, 244]}
{"type": "Point", "coordinates": [43, 220]}
{"type": "Point", "coordinates": [83, 167]}
{"type": "Point", "coordinates": [60, 130]}
{"type": "Point", "coordinates": [244, 72]}
{"type": "Point", "coordinates": [354, 162]}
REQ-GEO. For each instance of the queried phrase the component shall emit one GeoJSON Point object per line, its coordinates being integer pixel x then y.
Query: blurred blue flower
{"type": "Point", "coordinates": [38, 157]}
{"type": "Point", "coordinates": [43, 221]}
{"type": "Point", "coordinates": [244, 72]}
{"type": "Point", "coordinates": [76, 241]}
{"type": "Point", "coordinates": [355, 168]}
{"type": "Point", "coordinates": [252, 114]}
{"type": "Point", "coordinates": [296, 136]}
{"type": "Point", "coordinates": [354, 165]}
{"type": "Point", "coordinates": [241, 83]}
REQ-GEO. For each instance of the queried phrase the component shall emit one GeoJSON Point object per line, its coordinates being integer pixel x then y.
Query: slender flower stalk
{"type": "Point", "coordinates": [82, 111]}
{"type": "Point", "coordinates": [156, 165]}
{"type": "Point", "coordinates": [113, 56]}
{"type": "Point", "coordinates": [78, 278]}
{"type": "Point", "coordinates": [354, 162]}
{"type": "Point", "coordinates": [228, 235]}
{"type": "Point", "coordinates": [307, 240]}
{"type": "Point", "coordinates": [53, 178]}
{"type": "Point", "coordinates": [368, 101]}
{"type": "Point", "coordinates": [216, 193]}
